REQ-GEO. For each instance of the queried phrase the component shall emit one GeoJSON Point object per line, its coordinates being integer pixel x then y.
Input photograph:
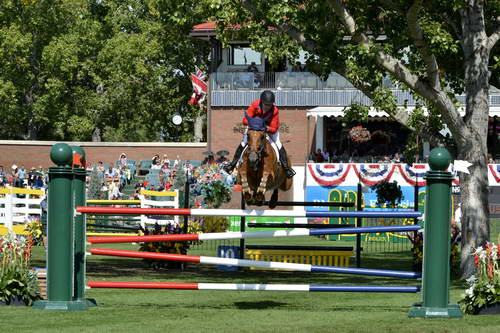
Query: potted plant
{"type": "Point", "coordinates": [359, 134]}
{"type": "Point", "coordinates": [388, 193]}
{"type": "Point", "coordinates": [18, 283]}
{"type": "Point", "coordinates": [483, 293]}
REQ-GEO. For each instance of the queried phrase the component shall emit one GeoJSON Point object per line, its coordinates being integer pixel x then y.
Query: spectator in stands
{"type": "Point", "coordinates": [39, 182]}
{"type": "Point", "coordinates": [100, 169]}
{"type": "Point", "coordinates": [326, 156]}
{"type": "Point", "coordinates": [32, 177]}
{"type": "Point", "coordinates": [165, 159]}
{"type": "Point", "coordinates": [16, 181]}
{"type": "Point", "coordinates": [397, 157]}
{"type": "Point", "coordinates": [220, 158]}
{"type": "Point", "coordinates": [318, 156]}
{"type": "Point", "coordinates": [111, 172]}
{"type": "Point", "coordinates": [165, 168]}
{"type": "Point", "coordinates": [123, 159]}
{"type": "Point", "coordinates": [156, 159]}
{"type": "Point", "coordinates": [3, 177]}
{"type": "Point", "coordinates": [156, 165]}
{"type": "Point", "coordinates": [297, 67]}
{"type": "Point", "coordinates": [253, 68]}
{"type": "Point", "coordinates": [188, 167]}
{"type": "Point", "coordinates": [114, 191]}
{"type": "Point", "coordinates": [176, 163]}
{"type": "Point", "coordinates": [209, 160]}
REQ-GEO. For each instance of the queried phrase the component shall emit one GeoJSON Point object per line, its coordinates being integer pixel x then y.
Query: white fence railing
{"type": "Point", "coordinates": [156, 199]}
{"type": "Point", "coordinates": [18, 204]}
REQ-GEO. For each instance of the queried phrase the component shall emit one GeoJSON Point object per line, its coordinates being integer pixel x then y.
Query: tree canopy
{"type": "Point", "coordinates": [96, 70]}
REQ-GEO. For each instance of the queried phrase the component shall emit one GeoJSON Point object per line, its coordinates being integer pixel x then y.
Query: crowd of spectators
{"type": "Point", "coordinates": [163, 174]}
{"type": "Point", "coordinates": [19, 176]}
{"type": "Point", "coordinates": [330, 156]}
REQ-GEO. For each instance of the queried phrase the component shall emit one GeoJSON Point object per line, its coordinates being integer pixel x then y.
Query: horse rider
{"type": "Point", "coordinates": [266, 109]}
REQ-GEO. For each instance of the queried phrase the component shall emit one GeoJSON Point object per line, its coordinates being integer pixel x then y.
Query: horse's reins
{"type": "Point", "coordinates": [263, 144]}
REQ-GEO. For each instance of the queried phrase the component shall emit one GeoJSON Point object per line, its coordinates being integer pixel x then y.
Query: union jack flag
{"type": "Point", "coordinates": [200, 87]}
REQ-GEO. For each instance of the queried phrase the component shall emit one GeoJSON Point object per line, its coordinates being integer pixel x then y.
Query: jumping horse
{"type": "Point", "coordinates": [260, 170]}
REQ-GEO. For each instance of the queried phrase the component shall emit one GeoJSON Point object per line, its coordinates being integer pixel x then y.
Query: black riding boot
{"type": "Point", "coordinates": [284, 162]}
{"type": "Point", "coordinates": [237, 154]}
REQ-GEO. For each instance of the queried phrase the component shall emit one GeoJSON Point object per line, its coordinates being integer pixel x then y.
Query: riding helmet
{"type": "Point", "coordinates": [267, 97]}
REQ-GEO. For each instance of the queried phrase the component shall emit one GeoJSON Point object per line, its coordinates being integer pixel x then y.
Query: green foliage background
{"type": "Point", "coordinates": [91, 70]}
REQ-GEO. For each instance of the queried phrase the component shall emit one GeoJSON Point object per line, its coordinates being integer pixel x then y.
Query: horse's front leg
{"type": "Point", "coordinates": [261, 190]}
{"type": "Point", "coordinates": [247, 193]}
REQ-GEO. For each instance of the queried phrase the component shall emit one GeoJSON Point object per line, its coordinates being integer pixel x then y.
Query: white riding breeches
{"type": "Point", "coordinates": [275, 137]}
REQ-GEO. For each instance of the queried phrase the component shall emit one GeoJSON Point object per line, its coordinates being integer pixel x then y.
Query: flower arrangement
{"type": "Point", "coordinates": [359, 134]}
{"type": "Point", "coordinates": [483, 289]}
{"type": "Point", "coordinates": [34, 229]}
{"type": "Point", "coordinates": [17, 280]}
{"type": "Point", "coordinates": [417, 240]}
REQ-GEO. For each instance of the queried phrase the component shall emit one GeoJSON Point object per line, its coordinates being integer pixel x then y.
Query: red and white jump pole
{"type": "Point", "coordinates": [254, 263]}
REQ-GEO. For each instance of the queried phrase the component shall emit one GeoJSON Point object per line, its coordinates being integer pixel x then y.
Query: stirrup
{"type": "Point", "coordinates": [229, 167]}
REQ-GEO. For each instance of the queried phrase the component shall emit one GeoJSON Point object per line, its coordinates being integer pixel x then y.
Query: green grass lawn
{"type": "Point", "coordinates": [240, 311]}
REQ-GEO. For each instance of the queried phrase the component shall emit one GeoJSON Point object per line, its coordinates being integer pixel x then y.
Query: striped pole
{"type": "Point", "coordinates": [253, 287]}
{"type": "Point", "coordinates": [245, 213]}
{"type": "Point", "coordinates": [246, 235]}
{"type": "Point", "coordinates": [297, 225]}
{"type": "Point", "coordinates": [254, 263]}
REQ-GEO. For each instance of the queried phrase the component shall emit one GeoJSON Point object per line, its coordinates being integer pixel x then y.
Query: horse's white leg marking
{"type": "Point", "coordinates": [263, 183]}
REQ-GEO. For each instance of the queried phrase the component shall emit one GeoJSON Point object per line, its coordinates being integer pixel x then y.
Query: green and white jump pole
{"type": "Point", "coordinates": [66, 250]}
{"type": "Point", "coordinates": [436, 265]}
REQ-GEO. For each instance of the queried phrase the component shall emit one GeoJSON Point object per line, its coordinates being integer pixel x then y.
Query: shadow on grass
{"type": "Point", "coordinates": [261, 305]}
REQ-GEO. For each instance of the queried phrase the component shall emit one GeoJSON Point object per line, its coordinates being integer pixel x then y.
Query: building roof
{"type": "Point", "coordinates": [210, 25]}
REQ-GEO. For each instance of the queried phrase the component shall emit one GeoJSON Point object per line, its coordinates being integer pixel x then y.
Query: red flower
{"type": "Point", "coordinates": [476, 261]}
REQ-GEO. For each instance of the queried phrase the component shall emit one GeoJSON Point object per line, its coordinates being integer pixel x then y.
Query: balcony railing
{"type": "Point", "coordinates": [276, 80]}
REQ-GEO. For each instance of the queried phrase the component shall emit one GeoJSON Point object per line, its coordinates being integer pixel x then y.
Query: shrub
{"type": "Point", "coordinates": [16, 277]}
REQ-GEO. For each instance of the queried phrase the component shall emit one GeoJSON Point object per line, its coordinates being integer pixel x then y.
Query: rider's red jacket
{"type": "Point", "coordinates": [254, 110]}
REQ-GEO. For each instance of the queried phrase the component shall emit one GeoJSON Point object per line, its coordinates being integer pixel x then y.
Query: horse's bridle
{"type": "Point", "coordinates": [259, 152]}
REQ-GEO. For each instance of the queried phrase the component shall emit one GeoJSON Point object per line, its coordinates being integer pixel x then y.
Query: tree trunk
{"type": "Point", "coordinates": [199, 124]}
{"type": "Point", "coordinates": [96, 135]}
{"type": "Point", "coordinates": [472, 147]}
{"type": "Point", "coordinates": [474, 193]}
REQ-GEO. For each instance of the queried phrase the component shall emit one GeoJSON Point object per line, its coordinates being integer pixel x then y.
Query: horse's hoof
{"type": "Point", "coordinates": [272, 205]}
{"type": "Point", "coordinates": [259, 197]}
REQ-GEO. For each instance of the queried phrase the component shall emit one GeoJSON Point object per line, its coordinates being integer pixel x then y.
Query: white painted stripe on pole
{"type": "Point", "coordinates": [253, 234]}
{"type": "Point", "coordinates": [247, 212]}
{"type": "Point", "coordinates": [253, 263]}
{"type": "Point", "coordinates": [255, 287]}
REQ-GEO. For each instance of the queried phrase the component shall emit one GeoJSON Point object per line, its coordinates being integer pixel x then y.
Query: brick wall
{"type": "Point", "coordinates": [225, 122]}
{"type": "Point", "coordinates": [38, 153]}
